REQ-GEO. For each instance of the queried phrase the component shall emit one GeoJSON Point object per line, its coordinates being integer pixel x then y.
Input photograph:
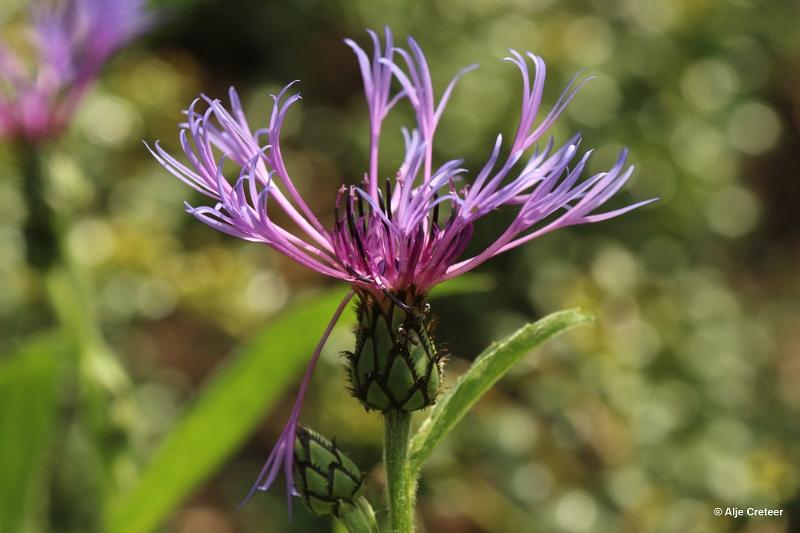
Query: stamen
{"type": "Point", "coordinates": [381, 201]}
{"type": "Point", "coordinates": [389, 199]}
{"type": "Point", "coordinates": [338, 209]}
{"type": "Point", "coordinates": [360, 206]}
{"type": "Point", "coordinates": [351, 223]}
{"type": "Point", "coordinates": [385, 208]}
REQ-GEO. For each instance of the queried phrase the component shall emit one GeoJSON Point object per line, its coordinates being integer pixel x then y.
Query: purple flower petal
{"type": "Point", "coordinates": [74, 39]}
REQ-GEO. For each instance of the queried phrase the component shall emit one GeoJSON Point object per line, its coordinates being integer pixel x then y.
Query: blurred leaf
{"type": "Point", "coordinates": [70, 293]}
{"type": "Point", "coordinates": [227, 410]}
{"type": "Point", "coordinates": [28, 396]}
{"type": "Point", "coordinates": [487, 369]}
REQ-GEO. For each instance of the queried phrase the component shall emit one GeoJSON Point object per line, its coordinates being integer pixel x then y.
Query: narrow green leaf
{"type": "Point", "coordinates": [229, 407]}
{"type": "Point", "coordinates": [29, 382]}
{"type": "Point", "coordinates": [487, 369]}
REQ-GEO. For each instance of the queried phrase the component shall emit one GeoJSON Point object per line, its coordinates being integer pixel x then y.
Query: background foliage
{"type": "Point", "coordinates": [682, 398]}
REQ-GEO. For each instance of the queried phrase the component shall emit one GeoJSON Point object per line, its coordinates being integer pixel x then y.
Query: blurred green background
{"type": "Point", "coordinates": [684, 397]}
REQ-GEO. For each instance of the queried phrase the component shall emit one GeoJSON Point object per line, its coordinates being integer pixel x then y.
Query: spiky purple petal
{"type": "Point", "coordinates": [282, 455]}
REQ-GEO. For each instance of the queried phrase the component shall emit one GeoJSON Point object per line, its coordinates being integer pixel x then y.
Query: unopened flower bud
{"type": "Point", "coordinates": [395, 365]}
{"type": "Point", "coordinates": [326, 479]}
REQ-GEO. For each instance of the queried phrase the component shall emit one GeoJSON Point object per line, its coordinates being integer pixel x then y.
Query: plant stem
{"type": "Point", "coordinates": [42, 244]}
{"type": "Point", "coordinates": [108, 407]}
{"type": "Point", "coordinates": [400, 484]}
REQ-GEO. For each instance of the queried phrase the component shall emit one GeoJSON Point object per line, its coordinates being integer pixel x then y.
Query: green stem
{"type": "Point", "coordinates": [106, 386]}
{"type": "Point", "coordinates": [400, 483]}
{"type": "Point", "coordinates": [71, 299]}
{"type": "Point", "coordinates": [358, 518]}
{"type": "Point", "coordinates": [69, 292]}
{"type": "Point", "coordinates": [41, 235]}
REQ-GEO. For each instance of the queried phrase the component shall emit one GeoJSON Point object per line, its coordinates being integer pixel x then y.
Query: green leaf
{"type": "Point", "coordinates": [487, 369]}
{"type": "Point", "coordinates": [29, 381]}
{"type": "Point", "coordinates": [229, 408]}
{"type": "Point", "coordinates": [226, 411]}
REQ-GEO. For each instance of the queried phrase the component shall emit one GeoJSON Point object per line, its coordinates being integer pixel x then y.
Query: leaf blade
{"type": "Point", "coordinates": [226, 411]}
{"type": "Point", "coordinates": [148, 503]}
{"type": "Point", "coordinates": [29, 382]}
{"type": "Point", "coordinates": [487, 369]}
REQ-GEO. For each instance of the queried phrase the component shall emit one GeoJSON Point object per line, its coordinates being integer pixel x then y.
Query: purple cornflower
{"type": "Point", "coordinates": [72, 39]}
{"type": "Point", "coordinates": [388, 239]}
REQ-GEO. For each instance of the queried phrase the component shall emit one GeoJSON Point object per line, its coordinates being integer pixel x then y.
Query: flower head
{"type": "Point", "coordinates": [72, 40]}
{"type": "Point", "coordinates": [390, 234]}
{"type": "Point", "coordinates": [392, 239]}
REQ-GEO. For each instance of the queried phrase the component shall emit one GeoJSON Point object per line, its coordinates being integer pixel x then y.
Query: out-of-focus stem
{"type": "Point", "coordinates": [72, 304]}
{"type": "Point", "coordinates": [40, 232]}
{"type": "Point", "coordinates": [106, 387]}
{"type": "Point", "coordinates": [69, 292]}
{"type": "Point", "coordinates": [400, 483]}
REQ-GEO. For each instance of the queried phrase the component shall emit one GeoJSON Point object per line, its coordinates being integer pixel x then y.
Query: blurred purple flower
{"type": "Point", "coordinates": [72, 39]}
{"type": "Point", "coordinates": [388, 237]}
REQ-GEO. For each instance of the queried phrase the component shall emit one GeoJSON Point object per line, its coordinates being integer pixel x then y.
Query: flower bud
{"type": "Point", "coordinates": [395, 365]}
{"type": "Point", "coordinates": [325, 478]}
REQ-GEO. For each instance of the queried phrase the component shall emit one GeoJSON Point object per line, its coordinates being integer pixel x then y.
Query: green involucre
{"type": "Point", "coordinates": [395, 365]}
{"type": "Point", "coordinates": [324, 476]}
